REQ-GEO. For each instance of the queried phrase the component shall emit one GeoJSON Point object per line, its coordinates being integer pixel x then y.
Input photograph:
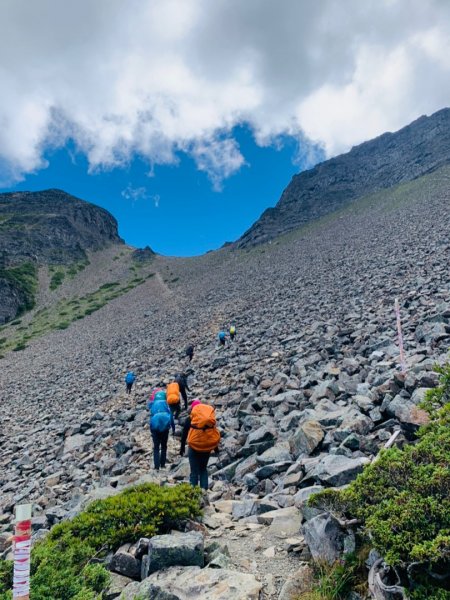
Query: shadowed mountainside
{"type": "Point", "coordinates": [48, 227]}
{"type": "Point", "coordinates": [390, 159]}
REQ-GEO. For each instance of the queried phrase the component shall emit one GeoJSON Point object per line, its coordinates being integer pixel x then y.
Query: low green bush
{"type": "Point", "coordinates": [20, 346]}
{"type": "Point", "coordinates": [56, 279]}
{"type": "Point", "coordinates": [24, 277]}
{"type": "Point", "coordinates": [62, 564]}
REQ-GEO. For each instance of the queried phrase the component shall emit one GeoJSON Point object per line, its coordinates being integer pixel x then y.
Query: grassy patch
{"type": "Point", "coordinates": [336, 581]}
{"type": "Point", "coordinates": [65, 312]}
{"type": "Point", "coordinates": [61, 565]}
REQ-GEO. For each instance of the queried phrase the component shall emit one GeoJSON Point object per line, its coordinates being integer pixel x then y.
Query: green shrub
{"type": "Point", "coordinates": [6, 575]}
{"type": "Point", "coordinates": [108, 286]}
{"type": "Point", "coordinates": [61, 564]}
{"type": "Point", "coordinates": [57, 279]}
{"type": "Point", "coordinates": [20, 346]}
{"type": "Point", "coordinates": [142, 511]}
{"type": "Point", "coordinates": [24, 277]}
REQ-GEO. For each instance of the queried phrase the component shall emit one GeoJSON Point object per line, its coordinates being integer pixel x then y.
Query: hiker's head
{"type": "Point", "coordinates": [195, 402]}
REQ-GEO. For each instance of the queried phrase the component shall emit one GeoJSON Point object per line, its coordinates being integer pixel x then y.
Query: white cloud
{"type": "Point", "coordinates": [155, 77]}
{"type": "Point", "coordinates": [131, 193]}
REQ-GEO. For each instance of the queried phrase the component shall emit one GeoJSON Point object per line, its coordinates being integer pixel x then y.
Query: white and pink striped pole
{"type": "Point", "coordinates": [400, 337]}
{"type": "Point", "coordinates": [22, 553]}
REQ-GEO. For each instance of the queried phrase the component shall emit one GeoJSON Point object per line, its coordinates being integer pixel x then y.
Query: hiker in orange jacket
{"type": "Point", "coordinates": [202, 437]}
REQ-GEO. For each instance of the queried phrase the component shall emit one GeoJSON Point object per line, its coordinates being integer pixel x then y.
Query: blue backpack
{"type": "Point", "coordinates": [160, 416]}
{"type": "Point", "coordinates": [222, 335]}
{"type": "Point", "coordinates": [130, 377]}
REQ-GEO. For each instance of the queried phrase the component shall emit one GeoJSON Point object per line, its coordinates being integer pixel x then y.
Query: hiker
{"type": "Point", "coordinates": [222, 338]}
{"type": "Point", "coordinates": [202, 437]}
{"type": "Point", "coordinates": [181, 379]}
{"type": "Point", "coordinates": [130, 378]}
{"type": "Point", "coordinates": [232, 332]}
{"type": "Point", "coordinates": [161, 420]}
{"type": "Point", "coordinates": [157, 393]}
{"type": "Point", "coordinates": [173, 398]}
{"type": "Point", "coordinates": [190, 352]}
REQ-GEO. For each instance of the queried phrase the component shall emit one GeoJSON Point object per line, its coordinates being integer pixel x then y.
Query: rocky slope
{"type": "Point", "coordinates": [306, 396]}
{"type": "Point", "coordinates": [48, 227]}
{"type": "Point", "coordinates": [388, 160]}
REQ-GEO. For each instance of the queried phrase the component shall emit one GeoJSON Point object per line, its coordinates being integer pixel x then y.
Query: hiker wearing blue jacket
{"type": "Point", "coordinates": [161, 420]}
{"type": "Point", "coordinates": [222, 338]}
{"type": "Point", "coordinates": [130, 378]}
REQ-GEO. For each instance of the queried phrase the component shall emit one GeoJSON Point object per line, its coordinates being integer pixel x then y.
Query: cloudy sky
{"type": "Point", "coordinates": [164, 81]}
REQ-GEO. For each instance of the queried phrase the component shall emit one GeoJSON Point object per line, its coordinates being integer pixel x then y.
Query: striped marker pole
{"type": "Point", "coordinates": [400, 337]}
{"type": "Point", "coordinates": [22, 552]}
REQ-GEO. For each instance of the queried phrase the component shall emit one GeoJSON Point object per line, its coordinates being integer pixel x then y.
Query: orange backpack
{"type": "Point", "coordinates": [173, 393]}
{"type": "Point", "coordinates": [203, 434]}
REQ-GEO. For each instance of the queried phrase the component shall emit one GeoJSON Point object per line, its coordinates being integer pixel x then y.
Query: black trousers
{"type": "Point", "coordinates": [129, 386]}
{"type": "Point", "coordinates": [184, 396]}
{"type": "Point", "coordinates": [198, 462]}
{"type": "Point", "coordinates": [175, 409]}
{"type": "Point", "coordinates": [160, 448]}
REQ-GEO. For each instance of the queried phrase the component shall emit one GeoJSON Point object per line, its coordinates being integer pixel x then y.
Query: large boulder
{"type": "Point", "coordinates": [124, 563]}
{"type": "Point", "coordinates": [184, 549]}
{"type": "Point", "coordinates": [325, 538]}
{"type": "Point", "coordinates": [283, 522]}
{"type": "Point", "coordinates": [186, 583]}
{"type": "Point", "coordinates": [306, 439]}
{"type": "Point", "coordinates": [278, 453]}
{"type": "Point", "coordinates": [336, 470]}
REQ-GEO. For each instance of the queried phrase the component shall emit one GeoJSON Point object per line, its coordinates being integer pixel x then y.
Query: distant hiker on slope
{"type": "Point", "coordinates": [190, 352]}
{"type": "Point", "coordinates": [173, 398]}
{"type": "Point", "coordinates": [161, 420]}
{"type": "Point", "coordinates": [130, 378]}
{"type": "Point", "coordinates": [222, 337]}
{"type": "Point", "coordinates": [181, 379]}
{"type": "Point", "coordinates": [202, 437]}
{"type": "Point", "coordinates": [232, 332]}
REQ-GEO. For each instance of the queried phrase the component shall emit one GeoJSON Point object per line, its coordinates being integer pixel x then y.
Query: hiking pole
{"type": "Point", "coordinates": [400, 337]}
{"type": "Point", "coordinates": [22, 551]}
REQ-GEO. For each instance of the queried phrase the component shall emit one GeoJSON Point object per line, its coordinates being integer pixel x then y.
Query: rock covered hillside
{"type": "Point", "coordinates": [390, 159]}
{"type": "Point", "coordinates": [306, 396]}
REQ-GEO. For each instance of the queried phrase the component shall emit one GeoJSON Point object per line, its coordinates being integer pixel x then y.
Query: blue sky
{"type": "Point", "coordinates": [176, 210]}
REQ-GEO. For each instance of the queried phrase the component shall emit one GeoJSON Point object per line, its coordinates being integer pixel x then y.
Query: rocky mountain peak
{"type": "Point", "coordinates": [388, 160]}
{"type": "Point", "coordinates": [52, 226]}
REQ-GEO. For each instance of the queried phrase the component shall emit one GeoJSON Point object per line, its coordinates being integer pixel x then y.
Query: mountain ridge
{"type": "Point", "coordinates": [389, 159]}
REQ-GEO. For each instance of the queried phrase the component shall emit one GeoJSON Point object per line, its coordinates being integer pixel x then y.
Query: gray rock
{"type": "Point", "coordinates": [185, 549]}
{"type": "Point", "coordinates": [125, 563]}
{"type": "Point", "coordinates": [325, 538]}
{"type": "Point", "coordinates": [306, 439]}
{"type": "Point", "coordinates": [337, 470]}
{"type": "Point", "coordinates": [187, 583]}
